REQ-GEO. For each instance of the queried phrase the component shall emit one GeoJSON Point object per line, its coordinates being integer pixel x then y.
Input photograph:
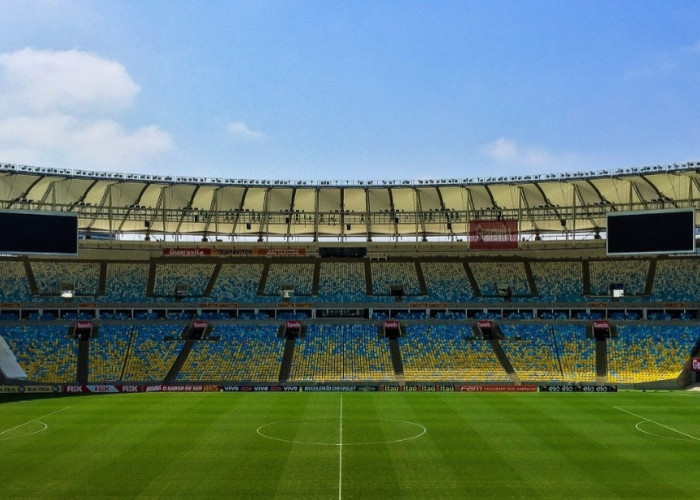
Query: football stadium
{"type": "Point", "coordinates": [527, 336]}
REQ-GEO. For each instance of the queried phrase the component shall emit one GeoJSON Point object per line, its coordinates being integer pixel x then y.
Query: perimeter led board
{"type": "Point", "coordinates": [25, 232]}
{"type": "Point", "coordinates": [660, 232]}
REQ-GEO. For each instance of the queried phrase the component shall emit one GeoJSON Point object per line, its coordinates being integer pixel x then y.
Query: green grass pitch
{"type": "Point", "coordinates": [352, 445]}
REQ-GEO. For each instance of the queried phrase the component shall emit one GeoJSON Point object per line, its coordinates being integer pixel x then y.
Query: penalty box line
{"type": "Point", "coordinates": [646, 419]}
{"type": "Point", "coordinates": [38, 419]}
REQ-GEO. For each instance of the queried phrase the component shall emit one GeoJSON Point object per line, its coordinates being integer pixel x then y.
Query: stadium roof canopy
{"type": "Point", "coordinates": [117, 205]}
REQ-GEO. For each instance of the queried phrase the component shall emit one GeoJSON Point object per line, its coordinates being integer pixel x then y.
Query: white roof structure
{"type": "Point", "coordinates": [551, 204]}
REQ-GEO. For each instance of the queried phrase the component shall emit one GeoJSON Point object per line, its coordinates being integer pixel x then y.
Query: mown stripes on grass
{"type": "Point", "coordinates": [474, 445]}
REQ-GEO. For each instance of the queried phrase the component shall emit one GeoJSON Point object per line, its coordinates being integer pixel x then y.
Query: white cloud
{"type": "Point", "coordinates": [56, 110]}
{"type": "Point", "coordinates": [91, 144]}
{"type": "Point", "coordinates": [242, 131]}
{"type": "Point", "coordinates": [508, 151]}
{"type": "Point", "coordinates": [44, 81]}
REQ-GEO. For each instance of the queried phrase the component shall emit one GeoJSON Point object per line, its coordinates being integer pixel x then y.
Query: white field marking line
{"type": "Point", "coordinates": [38, 420]}
{"type": "Point", "coordinates": [645, 419]}
{"type": "Point", "coordinates": [340, 452]}
{"type": "Point", "coordinates": [260, 432]}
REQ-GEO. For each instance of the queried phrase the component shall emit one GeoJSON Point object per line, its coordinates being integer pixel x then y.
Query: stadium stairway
{"type": "Point", "coordinates": [651, 275]}
{"type": "Point", "coordinates": [601, 361]}
{"type": "Point", "coordinates": [287, 359]}
{"type": "Point", "coordinates": [472, 280]}
{"type": "Point", "coordinates": [30, 276]}
{"type": "Point", "coordinates": [503, 359]}
{"type": "Point", "coordinates": [179, 361]}
{"type": "Point", "coordinates": [212, 280]}
{"type": "Point", "coordinates": [83, 368]}
{"type": "Point", "coordinates": [396, 360]}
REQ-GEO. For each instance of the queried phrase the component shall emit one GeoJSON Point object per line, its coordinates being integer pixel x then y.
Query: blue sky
{"type": "Point", "coordinates": [338, 90]}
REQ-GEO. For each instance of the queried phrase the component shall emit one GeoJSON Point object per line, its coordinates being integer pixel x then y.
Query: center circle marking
{"type": "Point", "coordinates": [414, 430]}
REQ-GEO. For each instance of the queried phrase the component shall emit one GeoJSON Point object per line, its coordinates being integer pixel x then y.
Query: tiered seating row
{"type": "Point", "coordinates": [440, 352]}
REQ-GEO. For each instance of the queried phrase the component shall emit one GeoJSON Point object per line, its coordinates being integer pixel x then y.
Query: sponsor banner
{"type": "Point", "coordinates": [294, 325]}
{"type": "Point", "coordinates": [5, 389]}
{"type": "Point", "coordinates": [84, 325]}
{"type": "Point", "coordinates": [577, 388]}
{"type": "Point", "coordinates": [181, 388]}
{"type": "Point", "coordinates": [38, 388]}
{"type": "Point", "coordinates": [87, 305]}
{"type": "Point", "coordinates": [330, 388]}
{"type": "Point", "coordinates": [391, 324]}
{"type": "Point", "coordinates": [674, 305]}
{"type": "Point", "coordinates": [367, 388]}
{"type": "Point", "coordinates": [130, 388]}
{"type": "Point", "coordinates": [199, 324]}
{"type": "Point", "coordinates": [447, 388]}
{"type": "Point", "coordinates": [75, 389]}
{"type": "Point", "coordinates": [493, 234]}
{"type": "Point", "coordinates": [429, 305]}
{"type": "Point", "coordinates": [283, 252]}
{"type": "Point", "coordinates": [484, 324]}
{"type": "Point", "coordinates": [390, 388]}
{"type": "Point", "coordinates": [152, 388]}
{"type": "Point", "coordinates": [101, 388]}
{"type": "Point", "coordinates": [293, 305]}
{"type": "Point", "coordinates": [9, 305]}
{"type": "Point", "coordinates": [696, 364]}
{"type": "Point", "coordinates": [413, 388]}
{"type": "Point", "coordinates": [601, 325]}
{"type": "Point", "coordinates": [218, 305]}
{"type": "Point", "coordinates": [186, 252]}
{"type": "Point", "coordinates": [498, 388]}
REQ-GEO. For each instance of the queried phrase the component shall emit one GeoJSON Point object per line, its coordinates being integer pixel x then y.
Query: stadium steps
{"type": "Point", "coordinates": [151, 283]}
{"type": "Point", "coordinates": [287, 359]}
{"type": "Point", "coordinates": [530, 279]}
{"type": "Point", "coordinates": [316, 277]}
{"type": "Point", "coordinates": [102, 282]}
{"type": "Point", "coordinates": [368, 278]}
{"type": "Point", "coordinates": [396, 359]}
{"type": "Point", "coordinates": [127, 353]}
{"type": "Point", "coordinates": [651, 275]}
{"type": "Point", "coordinates": [586, 278]}
{"type": "Point", "coordinates": [601, 361]}
{"type": "Point", "coordinates": [179, 361]}
{"type": "Point", "coordinates": [556, 350]}
{"type": "Point", "coordinates": [472, 280]}
{"type": "Point", "coordinates": [421, 279]}
{"type": "Point", "coordinates": [212, 280]}
{"type": "Point", "coordinates": [30, 276]}
{"type": "Point", "coordinates": [83, 368]}
{"type": "Point", "coordinates": [503, 359]}
{"type": "Point", "coordinates": [263, 278]}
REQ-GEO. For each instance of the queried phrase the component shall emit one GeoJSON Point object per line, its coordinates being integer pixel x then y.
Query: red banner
{"type": "Point", "coordinates": [484, 324]}
{"type": "Point", "coordinates": [498, 388]}
{"type": "Point", "coordinates": [601, 325]}
{"type": "Point", "coordinates": [391, 324]}
{"type": "Point", "coordinates": [696, 364]}
{"type": "Point", "coordinates": [493, 234]}
{"type": "Point", "coordinates": [186, 252]}
{"type": "Point", "coordinates": [294, 325]}
{"type": "Point", "coordinates": [200, 324]}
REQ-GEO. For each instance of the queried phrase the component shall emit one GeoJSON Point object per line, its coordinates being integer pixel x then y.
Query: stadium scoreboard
{"type": "Point", "coordinates": [25, 232]}
{"type": "Point", "coordinates": [651, 232]}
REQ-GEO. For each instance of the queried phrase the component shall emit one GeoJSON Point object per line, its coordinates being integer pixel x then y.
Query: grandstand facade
{"type": "Point", "coordinates": [495, 281]}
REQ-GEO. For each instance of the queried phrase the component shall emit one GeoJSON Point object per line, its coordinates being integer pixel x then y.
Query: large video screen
{"type": "Point", "coordinates": [38, 232]}
{"type": "Point", "coordinates": [662, 232]}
